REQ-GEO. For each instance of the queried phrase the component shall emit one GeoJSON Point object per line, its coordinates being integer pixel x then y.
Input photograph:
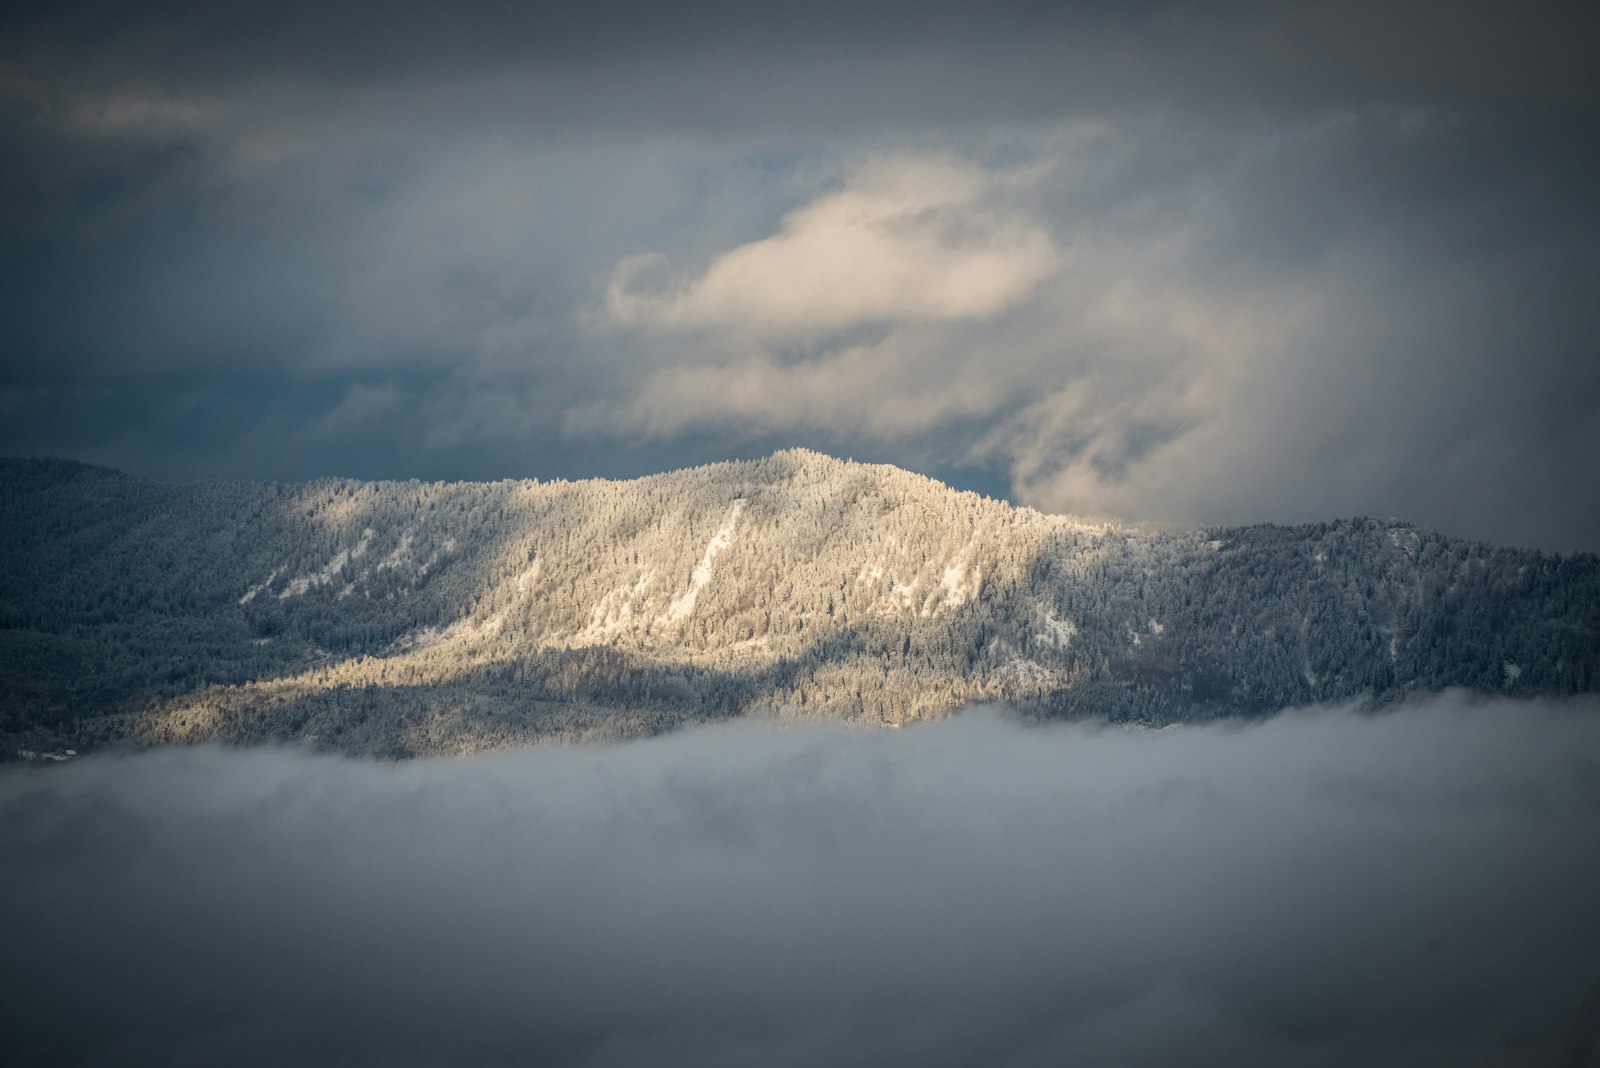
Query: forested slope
{"type": "Point", "coordinates": [410, 617]}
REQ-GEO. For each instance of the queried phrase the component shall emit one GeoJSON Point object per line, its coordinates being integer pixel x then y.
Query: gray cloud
{"type": "Point", "coordinates": [1310, 260]}
{"type": "Point", "coordinates": [1322, 888]}
{"type": "Point", "coordinates": [599, 62]}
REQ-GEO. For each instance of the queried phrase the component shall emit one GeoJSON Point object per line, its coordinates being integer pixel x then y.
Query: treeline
{"type": "Point", "coordinates": [434, 617]}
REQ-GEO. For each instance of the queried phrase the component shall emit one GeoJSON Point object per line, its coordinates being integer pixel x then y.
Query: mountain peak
{"type": "Point", "coordinates": [445, 617]}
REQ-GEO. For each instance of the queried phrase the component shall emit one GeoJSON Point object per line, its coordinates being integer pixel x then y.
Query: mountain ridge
{"type": "Point", "coordinates": [436, 617]}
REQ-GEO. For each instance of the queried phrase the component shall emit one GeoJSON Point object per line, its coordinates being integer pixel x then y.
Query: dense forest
{"type": "Point", "coordinates": [403, 618]}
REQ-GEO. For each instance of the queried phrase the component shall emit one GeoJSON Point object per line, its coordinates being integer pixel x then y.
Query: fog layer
{"type": "Point", "coordinates": [1323, 888]}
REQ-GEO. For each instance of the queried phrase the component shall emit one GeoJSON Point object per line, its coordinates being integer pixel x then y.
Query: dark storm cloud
{"type": "Point", "coordinates": [1320, 889]}
{"type": "Point", "coordinates": [1031, 54]}
{"type": "Point", "coordinates": [1313, 259]}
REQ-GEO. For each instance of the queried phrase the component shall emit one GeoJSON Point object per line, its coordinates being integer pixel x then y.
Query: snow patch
{"type": "Point", "coordinates": [614, 613]}
{"type": "Point", "coordinates": [1027, 672]}
{"type": "Point", "coordinates": [421, 638]}
{"type": "Point", "coordinates": [1057, 633]}
{"type": "Point", "coordinates": [303, 584]}
{"type": "Point", "coordinates": [250, 594]}
{"type": "Point", "coordinates": [433, 559]}
{"type": "Point", "coordinates": [959, 584]}
{"type": "Point", "coordinates": [869, 575]}
{"type": "Point", "coordinates": [1406, 541]}
{"type": "Point", "coordinates": [900, 598]}
{"type": "Point", "coordinates": [400, 557]}
{"type": "Point", "coordinates": [683, 607]}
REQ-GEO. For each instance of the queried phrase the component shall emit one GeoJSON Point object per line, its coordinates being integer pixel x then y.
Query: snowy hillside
{"type": "Point", "coordinates": [402, 618]}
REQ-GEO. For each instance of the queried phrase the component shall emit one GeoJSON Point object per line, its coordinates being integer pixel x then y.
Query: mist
{"type": "Point", "coordinates": [1321, 888]}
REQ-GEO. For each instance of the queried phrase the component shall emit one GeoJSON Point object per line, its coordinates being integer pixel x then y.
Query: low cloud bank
{"type": "Point", "coordinates": [1323, 888]}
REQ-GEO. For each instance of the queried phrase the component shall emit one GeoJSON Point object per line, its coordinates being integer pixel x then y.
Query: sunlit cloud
{"type": "Point", "coordinates": [880, 390]}
{"type": "Point", "coordinates": [1096, 382]}
{"type": "Point", "coordinates": [907, 238]}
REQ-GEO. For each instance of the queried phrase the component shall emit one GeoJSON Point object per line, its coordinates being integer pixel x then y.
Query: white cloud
{"type": "Point", "coordinates": [861, 314]}
{"type": "Point", "coordinates": [908, 238]}
{"type": "Point", "coordinates": [1099, 388]}
{"type": "Point", "coordinates": [880, 390]}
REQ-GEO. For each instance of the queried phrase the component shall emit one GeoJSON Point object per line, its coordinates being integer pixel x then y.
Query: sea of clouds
{"type": "Point", "coordinates": [1321, 888]}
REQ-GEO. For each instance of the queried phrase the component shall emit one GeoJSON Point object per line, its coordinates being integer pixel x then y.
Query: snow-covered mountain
{"type": "Point", "coordinates": [407, 617]}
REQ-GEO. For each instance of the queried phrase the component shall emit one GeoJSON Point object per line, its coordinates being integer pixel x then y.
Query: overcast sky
{"type": "Point", "coordinates": [1224, 263]}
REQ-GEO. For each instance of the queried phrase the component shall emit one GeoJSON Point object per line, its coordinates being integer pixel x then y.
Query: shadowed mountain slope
{"type": "Point", "coordinates": [408, 617]}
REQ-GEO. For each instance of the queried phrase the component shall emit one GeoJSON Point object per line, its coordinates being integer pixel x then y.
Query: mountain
{"type": "Point", "coordinates": [403, 618]}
